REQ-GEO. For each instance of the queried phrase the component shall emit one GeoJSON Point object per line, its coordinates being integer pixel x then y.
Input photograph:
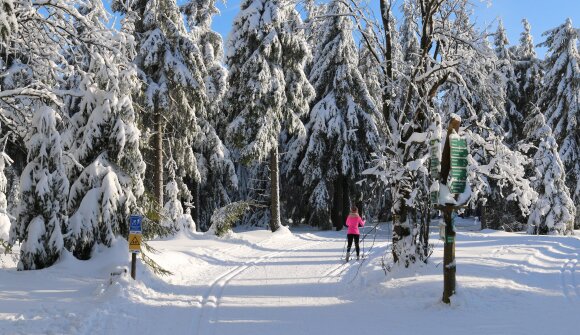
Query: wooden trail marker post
{"type": "Point", "coordinates": [454, 163]}
{"type": "Point", "coordinates": [135, 236]}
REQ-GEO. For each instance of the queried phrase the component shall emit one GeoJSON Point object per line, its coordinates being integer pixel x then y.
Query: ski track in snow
{"type": "Point", "coordinates": [210, 302]}
{"type": "Point", "coordinates": [262, 284]}
{"type": "Point", "coordinates": [568, 276]}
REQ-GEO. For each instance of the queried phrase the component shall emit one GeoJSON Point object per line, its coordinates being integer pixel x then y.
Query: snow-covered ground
{"type": "Point", "coordinates": [256, 282]}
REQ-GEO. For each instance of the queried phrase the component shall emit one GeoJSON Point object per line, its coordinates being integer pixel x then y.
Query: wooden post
{"type": "Point", "coordinates": [449, 268]}
{"type": "Point", "coordinates": [133, 264]}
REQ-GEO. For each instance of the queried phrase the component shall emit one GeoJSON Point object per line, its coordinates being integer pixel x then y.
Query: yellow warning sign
{"type": "Point", "coordinates": [135, 243]}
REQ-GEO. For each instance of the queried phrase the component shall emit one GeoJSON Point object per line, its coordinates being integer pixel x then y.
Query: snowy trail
{"type": "Point", "coordinates": [259, 283]}
{"type": "Point", "coordinates": [299, 281]}
{"type": "Point", "coordinates": [212, 300]}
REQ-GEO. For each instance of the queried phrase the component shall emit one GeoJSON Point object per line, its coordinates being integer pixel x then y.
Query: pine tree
{"type": "Point", "coordinates": [554, 211]}
{"type": "Point", "coordinates": [103, 138]}
{"type": "Point", "coordinates": [266, 58]}
{"type": "Point", "coordinates": [528, 74]}
{"type": "Point", "coordinates": [560, 100]}
{"type": "Point", "coordinates": [63, 55]}
{"type": "Point", "coordinates": [373, 77]}
{"type": "Point", "coordinates": [505, 64]}
{"type": "Point", "coordinates": [171, 65]}
{"type": "Point", "coordinates": [342, 126]}
{"type": "Point", "coordinates": [44, 188]}
{"type": "Point", "coordinates": [218, 178]}
{"type": "Point", "coordinates": [199, 19]}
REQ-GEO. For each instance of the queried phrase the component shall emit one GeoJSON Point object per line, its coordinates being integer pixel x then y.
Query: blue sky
{"type": "Point", "coordinates": [542, 14]}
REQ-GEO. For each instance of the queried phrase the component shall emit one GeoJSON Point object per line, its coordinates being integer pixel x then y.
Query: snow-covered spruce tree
{"type": "Point", "coordinates": [554, 211]}
{"type": "Point", "coordinates": [342, 126]}
{"type": "Point", "coordinates": [44, 187]}
{"type": "Point", "coordinates": [60, 55]}
{"type": "Point", "coordinates": [371, 68]}
{"type": "Point", "coordinates": [171, 65]}
{"type": "Point", "coordinates": [314, 18]}
{"type": "Point", "coordinates": [513, 119]}
{"type": "Point", "coordinates": [267, 86]}
{"type": "Point", "coordinates": [218, 177]}
{"type": "Point", "coordinates": [103, 139]}
{"type": "Point", "coordinates": [560, 99]}
{"type": "Point", "coordinates": [199, 15]}
{"type": "Point", "coordinates": [4, 215]}
{"type": "Point", "coordinates": [528, 72]}
{"type": "Point", "coordinates": [505, 120]}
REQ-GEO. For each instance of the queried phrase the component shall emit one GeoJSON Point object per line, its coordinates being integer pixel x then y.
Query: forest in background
{"type": "Point", "coordinates": [296, 120]}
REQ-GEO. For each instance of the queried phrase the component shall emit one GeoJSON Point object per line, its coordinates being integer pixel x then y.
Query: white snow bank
{"type": "Point", "coordinates": [294, 283]}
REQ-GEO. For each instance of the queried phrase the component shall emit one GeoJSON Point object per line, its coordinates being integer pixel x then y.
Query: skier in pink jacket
{"type": "Point", "coordinates": [353, 222]}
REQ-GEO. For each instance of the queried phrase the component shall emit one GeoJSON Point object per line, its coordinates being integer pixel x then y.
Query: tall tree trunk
{"type": "Point", "coordinates": [275, 191]}
{"type": "Point", "coordinates": [338, 204]}
{"type": "Point", "coordinates": [345, 208]}
{"type": "Point", "coordinates": [387, 25]}
{"type": "Point", "coordinates": [158, 159]}
{"type": "Point", "coordinates": [400, 226]}
{"type": "Point", "coordinates": [196, 204]}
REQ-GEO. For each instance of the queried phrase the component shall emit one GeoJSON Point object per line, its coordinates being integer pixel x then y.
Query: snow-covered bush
{"type": "Point", "coordinates": [174, 216]}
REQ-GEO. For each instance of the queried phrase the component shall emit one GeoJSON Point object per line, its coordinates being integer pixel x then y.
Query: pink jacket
{"type": "Point", "coordinates": [353, 221]}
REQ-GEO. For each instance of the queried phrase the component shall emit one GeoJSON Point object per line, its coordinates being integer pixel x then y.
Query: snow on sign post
{"type": "Point", "coordinates": [135, 236]}
{"type": "Point", "coordinates": [458, 163]}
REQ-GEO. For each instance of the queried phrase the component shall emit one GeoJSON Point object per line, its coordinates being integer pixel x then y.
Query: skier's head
{"type": "Point", "coordinates": [353, 209]}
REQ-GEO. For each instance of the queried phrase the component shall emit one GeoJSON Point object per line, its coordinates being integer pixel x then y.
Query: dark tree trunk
{"type": "Point", "coordinates": [158, 159]}
{"type": "Point", "coordinates": [345, 201]}
{"type": "Point", "coordinates": [275, 191]}
{"type": "Point", "coordinates": [400, 232]}
{"type": "Point", "coordinates": [338, 200]}
{"type": "Point", "coordinates": [196, 205]}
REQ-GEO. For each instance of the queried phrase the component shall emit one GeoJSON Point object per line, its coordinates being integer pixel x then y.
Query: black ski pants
{"type": "Point", "coordinates": [350, 238]}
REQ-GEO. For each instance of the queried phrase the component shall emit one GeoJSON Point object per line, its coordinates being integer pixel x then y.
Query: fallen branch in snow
{"type": "Point", "coordinates": [223, 218]}
{"type": "Point", "coordinates": [157, 269]}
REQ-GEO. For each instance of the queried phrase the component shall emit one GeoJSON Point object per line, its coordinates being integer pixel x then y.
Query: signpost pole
{"type": "Point", "coordinates": [449, 267]}
{"type": "Point", "coordinates": [133, 264]}
{"type": "Point", "coordinates": [135, 235]}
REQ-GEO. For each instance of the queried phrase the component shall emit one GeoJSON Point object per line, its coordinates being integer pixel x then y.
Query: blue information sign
{"type": "Point", "coordinates": [135, 224]}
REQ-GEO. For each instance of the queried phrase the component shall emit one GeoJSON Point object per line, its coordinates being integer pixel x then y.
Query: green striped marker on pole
{"type": "Point", "coordinates": [458, 172]}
